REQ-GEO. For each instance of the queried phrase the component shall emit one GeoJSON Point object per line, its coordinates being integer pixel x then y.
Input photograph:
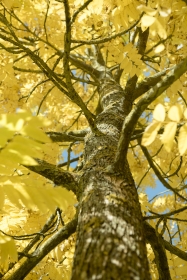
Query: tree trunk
{"type": "Point", "coordinates": [110, 240]}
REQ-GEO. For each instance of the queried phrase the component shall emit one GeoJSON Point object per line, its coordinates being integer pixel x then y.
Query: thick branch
{"type": "Point", "coordinates": [41, 252]}
{"type": "Point", "coordinates": [149, 82]}
{"type": "Point", "coordinates": [80, 133]}
{"type": "Point", "coordinates": [99, 56]}
{"type": "Point", "coordinates": [94, 73]}
{"type": "Point", "coordinates": [55, 174]}
{"type": "Point", "coordinates": [158, 248]}
{"type": "Point", "coordinates": [64, 137]}
{"type": "Point", "coordinates": [174, 250]}
{"type": "Point", "coordinates": [131, 120]}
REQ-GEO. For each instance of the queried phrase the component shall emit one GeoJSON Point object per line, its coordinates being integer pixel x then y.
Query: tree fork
{"type": "Point", "coordinates": [110, 239]}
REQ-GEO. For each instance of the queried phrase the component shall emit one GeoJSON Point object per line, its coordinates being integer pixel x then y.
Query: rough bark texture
{"type": "Point", "coordinates": [110, 240]}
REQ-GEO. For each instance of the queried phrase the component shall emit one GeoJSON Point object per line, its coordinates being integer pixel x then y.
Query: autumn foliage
{"type": "Point", "coordinates": [51, 55]}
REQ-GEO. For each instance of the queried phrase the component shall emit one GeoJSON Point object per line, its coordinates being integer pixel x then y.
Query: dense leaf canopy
{"type": "Point", "coordinates": [53, 56]}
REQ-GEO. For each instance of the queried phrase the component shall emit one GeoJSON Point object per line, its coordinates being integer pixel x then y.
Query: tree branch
{"type": "Point", "coordinates": [159, 251]}
{"type": "Point", "coordinates": [68, 162]}
{"type": "Point", "coordinates": [63, 137]}
{"type": "Point", "coordinates": [167, 214]}
{"type": "Point", "coordinates": [58, 176]}
{"type": "Point", "coordinates": [94, 73]}
{"type": "Point", "coordinates": [131, 83]}
{"type": "Point", "coordinates": [109, 38]}
{"type": "Point", "coordinates": [80, 9]}
{"type": "Point", "coordinates": [37, 237]}
{"type": "Point", "coordinates": [174, 250]}
{"type": "Point", "coordinates": [157, 172]}
{"type": "Point", "coordinates": [43, 250]}
{"type": "Point", "coordinates": [27, 70]}
{"type": "Point", "coordinates": [149, 82]}
{"type": "Point", "coordinates": [67, 72]}
{"type": "Point", "coordinates": [77, 135]}
{"type": "Point", "coordinates": [72, 94]}
{"type": "Point", "coordinates": [131, 120]}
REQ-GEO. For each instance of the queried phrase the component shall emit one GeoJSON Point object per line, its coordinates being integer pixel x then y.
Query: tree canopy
{"type": "Point", "coordinates": [56, 56]}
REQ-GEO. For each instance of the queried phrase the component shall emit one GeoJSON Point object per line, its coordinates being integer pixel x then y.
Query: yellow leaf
{"type": "Point", "coordinates": [30, 143]}
{"type": "Point", "coordinates": [168, 135]}
{"type": "Point", "coordinates": [63, 197]}
{"type": "Point", "coordinates": [38, 121]}
{"type": "Point", "coordinates": [35, 133]}
{"type": "Point", "coordinates": [14, 121]}
{"type": "Point", "coordinates": [185, 113]}
{"type": "Point", "coordinates": [182, 140]}
{"type": "Point", "coordinates": [19, 124]}
{"type": "Point", "coordinates": [143, 201]}
{"type": "Point", "coordinates": [150, 133]}
{"type": "Point", "coordinates": [159, 48]}
{"type": "Point", "coordinates": [128, 47]}
{"type": "Point", "coordinates": [175, 113]}
{"type": "Point", "coordinates": [8, 3]}
{"type": "Point", "coordinates": [148, 10]}
{"type": "Point", "coordinates": [16, 157]}
{"type": "Point", "coordinates": [146, 21]}
{"type": "Point", "coordinates": [133, 71]}
{"type": "Point", "coordinates": [78, 2]}
{"type": "Point", "coordinates": [164, 12]}
{"type": "Point", "coordinates": [5, 135]}
{"type": "Point", "coordinates": [96, 6]}
{"type": "Point", "coordinates": [25, 146]}
{"type": "Point", "coordinates": [131, 11]}
{"type": "Point", "coordinates": [181, 270]}
{"type": "Point", "coordinates": [12, 195]}
{"type": "Point", "coordinates": [115, 12]}
{"type": "Point", "coordinates": [159, 113]}
{"type": "Point", "coordinates": [124, 63]}
{"type": "Point", "coordinates": [33, 196]}
{"type": "Point", "coordinates": [8, 250]}
{"type": "Point", "coordinates": [2, 197]}
{"type": "Point", "coordinates": [159, 202]}
{"type": "Point", "coordinates": [159, 28]}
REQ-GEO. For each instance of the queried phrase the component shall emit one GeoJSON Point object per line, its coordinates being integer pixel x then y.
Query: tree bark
{"type": "Point", "coordinates": [110, 239]}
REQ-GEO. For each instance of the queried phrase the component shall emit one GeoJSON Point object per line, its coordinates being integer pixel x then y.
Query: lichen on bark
{"type": "Point", "coordinates": [110, 239]}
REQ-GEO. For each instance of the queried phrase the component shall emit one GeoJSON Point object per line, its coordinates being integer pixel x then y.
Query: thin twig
{"type": "Point", "coordinates": [45, 20]}
{"type": "Point", "coordinates": [107, 39]}
{"type": "Point", "coordinates": [43, 99]}
{"type": "Point", "coordinates": [80, 9]}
